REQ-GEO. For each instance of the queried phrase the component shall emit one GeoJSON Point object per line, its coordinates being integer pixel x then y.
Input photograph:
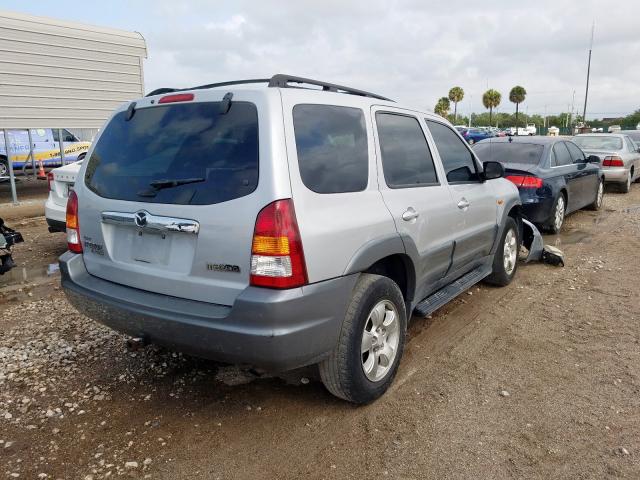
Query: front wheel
{"type": "Point", "coordinates": [471, 141]}
{"type": "Point", "coordinates": [371, 342]}
{"type": "Point", "coordinates": [505, 260]}
{"type": "Point", "coordinates": [4, 167]}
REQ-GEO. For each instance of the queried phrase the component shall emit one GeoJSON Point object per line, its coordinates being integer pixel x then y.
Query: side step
{"type": "Point", "coordinates": [451, 291]}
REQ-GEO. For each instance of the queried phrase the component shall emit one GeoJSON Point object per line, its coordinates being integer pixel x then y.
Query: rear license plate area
{"type": "Point", "coordinates": [151, 248]}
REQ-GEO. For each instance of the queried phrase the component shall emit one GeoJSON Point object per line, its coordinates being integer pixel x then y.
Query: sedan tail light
{"type": "Point", "coordinates": [525, 181]}
{"type": "Point", "coordinates": [612, 161]}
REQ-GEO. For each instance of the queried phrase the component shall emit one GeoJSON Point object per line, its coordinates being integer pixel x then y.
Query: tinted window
{"type": "Point", "coordinates": [457, 159]}
{"type": "Point", "coordinates": [523, 153]}
{"type": "Point", "coordinates": [576, 153]}
{"type": "Point", "coordinates": [406, 159]}
{"type": "Point", "coordinates": [175, 142]}
{"type": "Point", "coordinates": [598, 142]}
{"type": "Point", "coordinates": [332, 148]}
{"type": "Point", "coordinates": [561, 155]}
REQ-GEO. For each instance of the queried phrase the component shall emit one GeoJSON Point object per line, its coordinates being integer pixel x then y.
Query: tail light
{"type": "Point", "coordinates": [277, 258]}
{"type": "Point", "coordinates": [525, 181]}
{"type": "Point", "coordinates": [49, 179]}
{"type": "Point", "coordinates": [73, 226]}
{"type": "Point", "coordinates": [179, 97]}
{"type": "Point", "coordinates": [612, 161]}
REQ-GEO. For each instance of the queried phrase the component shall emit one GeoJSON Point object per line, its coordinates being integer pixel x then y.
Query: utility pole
{"type": "Point", "coordinates": [586, 91]}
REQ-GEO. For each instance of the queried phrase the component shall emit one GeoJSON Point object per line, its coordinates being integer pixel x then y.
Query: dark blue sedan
{"type": "Point", "coordinates": [474, 135]}
{"type": "Point", "coordinates": [553, 175]}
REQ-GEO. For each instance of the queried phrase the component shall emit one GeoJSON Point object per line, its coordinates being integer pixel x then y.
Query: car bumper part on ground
{"type": "Point", "coordinates": [616, 174]}
{"type": "Point", "coordinates": [274, 329]}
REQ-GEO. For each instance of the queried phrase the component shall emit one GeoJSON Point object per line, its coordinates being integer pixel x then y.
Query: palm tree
{"type": "Point", "coordinates": [517, 95]}
{"type": "Point", "coordinates": [456, 94]}
{"type": "Point", "coordinates": [442, 107]}
{"type": "Point", "coordinates": [491, 99]}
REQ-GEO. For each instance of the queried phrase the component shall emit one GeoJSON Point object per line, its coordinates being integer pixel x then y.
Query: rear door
{"type": "Point", "coordinates": [192, 240]}
{"type": "Point", "coordinates": [412, 186]}
{"type": "Point", "coordinates": [586, 176]}
{"type": "Point", "coordinates": [562, 166]}
{"type": "Point", "coordinates": [476, 217]}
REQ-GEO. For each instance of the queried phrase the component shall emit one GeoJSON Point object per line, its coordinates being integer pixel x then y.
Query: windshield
{"type": "Point", "coordinates": [599, 142]}
{"type": "Point", "coordinates": [523, 153]}
{"type": "Point", "coordinates": [176, 143]}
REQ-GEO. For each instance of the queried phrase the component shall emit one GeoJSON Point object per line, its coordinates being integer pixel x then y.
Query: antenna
{"type": "Point", "coordinates": [586, 91]}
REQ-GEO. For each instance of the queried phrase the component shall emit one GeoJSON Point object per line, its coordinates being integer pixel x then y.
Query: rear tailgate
{"type": "Point", "coordinates": [191, 240]}
{"type": "Point", "coordinates": [63, 181]}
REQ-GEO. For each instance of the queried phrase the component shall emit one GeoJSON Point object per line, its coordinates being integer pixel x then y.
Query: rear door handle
{"type": "Point", "coordinates": [463, 204]}
{"type": "Point", "coordinates": [410, 214]}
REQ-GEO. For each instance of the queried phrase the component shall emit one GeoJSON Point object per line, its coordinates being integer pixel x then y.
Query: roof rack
{"type": "Point", "coordinates": [280, 81]}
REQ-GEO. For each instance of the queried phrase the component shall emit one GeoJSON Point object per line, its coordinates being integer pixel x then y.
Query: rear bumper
{"type": "Point", "coordinates": [535, 208]}
{"type": "Point", "coordinates": [274, 329]}
{"type": "Point", "coordinates": [615, 174]}
{"type": "Point", "coordinates": [56, 226]}
{"type": "Point", "coordinates": [54, 212]}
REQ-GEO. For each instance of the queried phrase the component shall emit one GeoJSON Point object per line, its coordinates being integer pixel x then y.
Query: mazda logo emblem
{"type": "Point", "coordinates": [141, 219]}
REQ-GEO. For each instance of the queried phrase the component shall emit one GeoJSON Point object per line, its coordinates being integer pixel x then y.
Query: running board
{"type": "Point", "coordinates": [446, 294]}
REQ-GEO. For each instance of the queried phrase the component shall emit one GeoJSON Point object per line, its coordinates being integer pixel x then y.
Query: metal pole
{"type": "Point", "coordinates": [586, 91]}
{"type": "Point", "coordinates": [12, 178]}
{"type": "Point", "coordinates": [61, 142]}
{"type": "Point", "coordinates": [33, 157]}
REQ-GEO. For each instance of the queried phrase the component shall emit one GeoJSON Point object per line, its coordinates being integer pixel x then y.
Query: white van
{"type": "Point", "coordinates": [46, 148]}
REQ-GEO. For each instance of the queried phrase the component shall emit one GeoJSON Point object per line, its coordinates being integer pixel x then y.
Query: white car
{"type": "Point", "coordinates": [61, 181]}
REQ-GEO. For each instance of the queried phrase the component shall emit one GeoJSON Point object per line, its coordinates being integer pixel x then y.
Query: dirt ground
{"type": "Point", "coordinates": [540, 379]}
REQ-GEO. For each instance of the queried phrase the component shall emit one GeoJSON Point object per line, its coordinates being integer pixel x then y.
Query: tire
{"type": "Point", "coordinates": [349, 372]}
{"type": "Point", "coordinates": [471, 141]}
{"type": "Point", "coordinates": [558, 212]}
{"type": "Point", "coordinates": [599, 200]}
{"type": "Point", "coordinates": [626, 187]}
{"type": "Point", "coordinates": [81, 157]}
{"type": "Point", "coordinates": [4, 167]}
{"type": "Point", "coordinates": [504, 268]}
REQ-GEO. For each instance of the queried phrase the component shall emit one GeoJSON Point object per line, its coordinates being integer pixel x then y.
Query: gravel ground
{"type": "Point", "coordinates": [537, 380]}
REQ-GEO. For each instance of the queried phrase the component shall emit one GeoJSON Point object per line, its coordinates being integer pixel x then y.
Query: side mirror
{"type": "Point", "coordinates": [593, 159]}
{"type": "Point", "coordinates": [492, 170]}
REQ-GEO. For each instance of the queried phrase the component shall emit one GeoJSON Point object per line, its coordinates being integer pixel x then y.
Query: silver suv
{"type": "Point", "coordinates": [294, 224]}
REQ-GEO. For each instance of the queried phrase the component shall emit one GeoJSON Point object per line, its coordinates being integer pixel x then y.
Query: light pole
{"type": "Point", "coordinates": [586, 90]}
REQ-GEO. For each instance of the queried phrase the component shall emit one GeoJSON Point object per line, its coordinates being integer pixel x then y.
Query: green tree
{"type": "Point", "coordinates": [456, 94]}
{"type": "Point", "coordinates": [491, 99]}
{"type": "Point", "coordinates": [517, 96]}
{"type": "Point", "coordinates": [442, 107]}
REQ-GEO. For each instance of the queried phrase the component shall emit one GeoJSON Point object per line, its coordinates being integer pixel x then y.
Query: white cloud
{"type": "Point", "coordinates": [410, 50]}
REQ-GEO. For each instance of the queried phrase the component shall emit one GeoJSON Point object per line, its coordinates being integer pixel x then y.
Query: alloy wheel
{"type": "Point", "coordinates": [559, 213]}
{"type": "Point", "coordinates": [600, 196]}
{"type": "Point", "coordinates": [510, 251]}
{"type": "Point", "coordinates": [380, 340]}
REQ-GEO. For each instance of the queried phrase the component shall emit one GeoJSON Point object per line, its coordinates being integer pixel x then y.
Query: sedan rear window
{"type": "Point", "coordinates": [184, 154]}
{"type": "Point", "coordinates": [599, 142]}
{"type": "Point", "coordinates": [523, 153]}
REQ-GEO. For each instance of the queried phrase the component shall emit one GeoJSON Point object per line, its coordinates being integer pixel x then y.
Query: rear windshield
{"type": "Point", "coordinates": [523, 153]}
{"type": "Point", "coordinates": [215, 155]}
{"type": "Point", "coordinates": [600, 142]}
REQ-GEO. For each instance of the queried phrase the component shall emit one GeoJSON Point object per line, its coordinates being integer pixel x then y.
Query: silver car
{"type": "Point", "coordinates": [619, 156]}
{"type": "Point", "coordinates": [283, 227]}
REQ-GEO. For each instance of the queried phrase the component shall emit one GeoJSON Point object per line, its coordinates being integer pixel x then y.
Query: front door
{"type": "Point", "coordinates": [474, 199]}
{"type": "Point", "coordinates": [415, 193]}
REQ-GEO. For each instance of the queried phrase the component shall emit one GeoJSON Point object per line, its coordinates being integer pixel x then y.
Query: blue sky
{"type": "Point", "coordinates": [410, 50]}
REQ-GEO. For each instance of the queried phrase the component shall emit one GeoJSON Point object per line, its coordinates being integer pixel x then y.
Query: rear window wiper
{"type": "Point", "coordinates": [158, 185]}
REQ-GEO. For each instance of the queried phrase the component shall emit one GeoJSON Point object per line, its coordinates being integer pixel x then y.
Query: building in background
{"type": "Point", "coordinates": [56, 75]}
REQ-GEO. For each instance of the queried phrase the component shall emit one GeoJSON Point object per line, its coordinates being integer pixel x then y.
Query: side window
{"type": "Point", "coordinates": [562, 154]}
{"type": "Point", "coordinates": [56, 134]}
{"type": "Point", "coordinates": [631, 145]}
{"type": "Point", "coordinates": [457, 159]}
{"type": "Point", "coordinates": [406, 158]}
{"type": "Point", "coordinates": [331, 142]}
{"type": "Point", "coordinates": [576, 153]}
{"type": "Point", "coordinates": [552, 159]}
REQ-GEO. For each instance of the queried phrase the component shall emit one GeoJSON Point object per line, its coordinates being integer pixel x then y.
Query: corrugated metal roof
{"type": "Point", "coordinates": [55, 73]}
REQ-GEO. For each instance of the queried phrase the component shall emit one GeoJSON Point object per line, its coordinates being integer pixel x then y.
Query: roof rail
{"type": "Point", "coordinates": [280, 81]}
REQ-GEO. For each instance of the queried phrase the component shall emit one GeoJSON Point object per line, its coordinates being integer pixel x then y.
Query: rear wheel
{"type": "Point", "coordinates": [557, 215]}
{"type": "Point", "coordinates": [505, 260]}
{"type": "Point", "coordinates": [626, 186]}
{"type": "Point", "coordinates": [4, 167]}
{"type": "Point", "coordinates": [365, 361]}
{"type": "Point", "coordinates": [599, 200]}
